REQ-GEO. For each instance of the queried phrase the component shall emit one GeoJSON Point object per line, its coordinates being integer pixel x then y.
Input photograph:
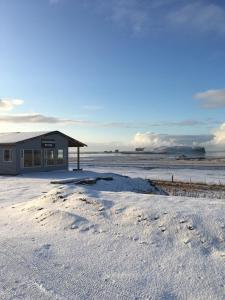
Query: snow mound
{"type": "Point", "coordinates": [56, 209]}
{"type": "Point", "coordinates": [102, 244]}
{"type": "Point", "coordinates": [63, 220]}
{"type": "Point", "coordinates": [59, 207]}
{"type": "Point", "coordinates": [166, 221]}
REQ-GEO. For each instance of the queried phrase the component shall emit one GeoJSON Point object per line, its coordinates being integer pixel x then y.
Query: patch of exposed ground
{"type": "Point", "coordinates": [191, 189]}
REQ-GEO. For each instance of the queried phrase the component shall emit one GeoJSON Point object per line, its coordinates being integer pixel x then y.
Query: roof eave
{"type": "Point", "coordinates": [76, 144]}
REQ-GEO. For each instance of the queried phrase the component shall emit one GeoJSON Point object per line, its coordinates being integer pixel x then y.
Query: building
{"type": "Point", "coordinates": [139, 149]}
{"type": "Point", "coordinates": [22, 152]}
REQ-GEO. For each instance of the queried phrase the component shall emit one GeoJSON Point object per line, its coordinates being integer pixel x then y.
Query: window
{"type": "Point", "coordinates": [28, 158]}
{"type": "Point", "coordinates": [50, 157]}
{"type": "Point", "coordinates": [60, 156]}
{"type": "Point", "coordinates": [37, 157]}
{"type": "Point", "coordinates": [31, 158]}
{"type": "Point", "coordinates": [8, 155]}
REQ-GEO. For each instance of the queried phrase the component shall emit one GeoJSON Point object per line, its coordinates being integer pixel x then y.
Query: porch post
{"type": "Point", "coordinates": [78, 158]}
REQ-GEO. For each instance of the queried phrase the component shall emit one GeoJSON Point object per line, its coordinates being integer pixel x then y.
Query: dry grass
{"type": "Point", "coordinates": [190, 189]}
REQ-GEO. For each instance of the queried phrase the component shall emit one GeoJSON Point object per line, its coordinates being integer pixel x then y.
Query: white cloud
{"type": "Point", "coordinates": [219, 136]}
{"type": "Point", "coordinates": [211, 98]}
{"type": "Point", "coordinates": [152, 140]}
{"type": "Point", "coordinates": [9, 104]}
{"type": "Point", "coordinates": [217, 140]}
{"type": "Point", "coordinates": [39, 118]}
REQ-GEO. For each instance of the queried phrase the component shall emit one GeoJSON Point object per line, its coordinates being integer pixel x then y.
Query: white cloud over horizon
{"type": "Point", "coordinates": [211, 99]}
{"type": "Point", "coordinates": [147, 139]}
{"type": "Point", "coordinates": [213, 141]}
{"type": "Point", "coordinates": [219, 136]}
{"type": "Point", "coordinates": [152, 140]}
{"type": "Point", "coordinates": [9, 104]}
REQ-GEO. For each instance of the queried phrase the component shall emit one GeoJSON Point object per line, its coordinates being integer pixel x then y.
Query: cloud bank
{"type": "Point", "coordinates": [29, 118]}
{"type": "Point", "coordinates": [39, 118]}
{"type": "Point", "coordinates": [153, 140]}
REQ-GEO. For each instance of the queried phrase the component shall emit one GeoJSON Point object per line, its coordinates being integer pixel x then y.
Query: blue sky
{"type": "Point", "coordinates": [112, 71]}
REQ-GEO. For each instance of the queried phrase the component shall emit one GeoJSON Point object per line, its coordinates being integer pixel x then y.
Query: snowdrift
{"type": "Point", "coordinates": [110, 240]}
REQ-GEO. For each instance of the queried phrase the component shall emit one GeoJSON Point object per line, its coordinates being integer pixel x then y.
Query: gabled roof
{"type": "Point", "coordinates": [17, 137]}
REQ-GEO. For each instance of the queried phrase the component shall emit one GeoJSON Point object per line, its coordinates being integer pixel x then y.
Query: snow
{"type": "Point", "coordinates": [15, 137]}
{"type": "Point", "coordinates": [209, 170]}
{"type": "Point", "coordinates": [209, 176]}
{"type": "Point", "coordinates": [113, 240]}
{"type": "Point", "coordinates": [28, 186]}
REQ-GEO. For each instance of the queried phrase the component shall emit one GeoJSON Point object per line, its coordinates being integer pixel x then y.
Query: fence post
{"type": "Point", "coordinates": [78, 158]}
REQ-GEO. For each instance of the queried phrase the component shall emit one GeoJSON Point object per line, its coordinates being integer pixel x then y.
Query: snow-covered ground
{"type": "Point", "coordinates": [110, 240]}
{"type": "Point", "coordinates": [179, 174]}
{"type": "Point", "coordinates": [208, 170]}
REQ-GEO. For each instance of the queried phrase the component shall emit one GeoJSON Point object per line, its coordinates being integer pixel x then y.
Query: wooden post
{"type": "Point", "coordinates": [78, 158]}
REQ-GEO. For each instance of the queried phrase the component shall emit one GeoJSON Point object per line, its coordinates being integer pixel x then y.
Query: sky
{"type": "Point", "coordinates": [116, 73]}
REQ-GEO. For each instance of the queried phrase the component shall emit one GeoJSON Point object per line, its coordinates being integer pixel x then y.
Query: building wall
{"type": "Point", "coordinates": [60, 141]}
{"type": "Point", "coordinates": [8, 167]}
{"type": "Point", "coordinates": [15, 167]}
